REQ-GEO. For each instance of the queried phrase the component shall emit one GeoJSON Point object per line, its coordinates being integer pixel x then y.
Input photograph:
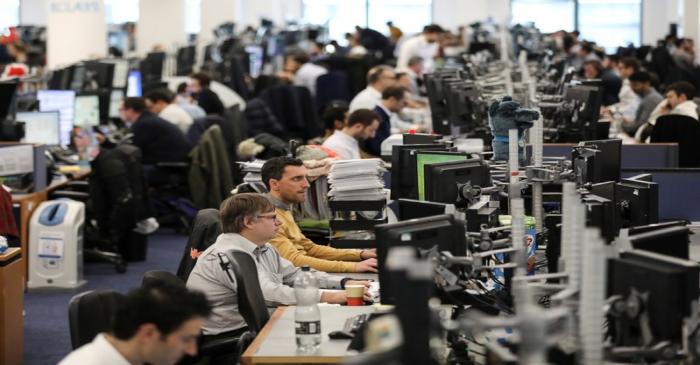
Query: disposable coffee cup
{"type": "Point", "coordinates": [355, 294]}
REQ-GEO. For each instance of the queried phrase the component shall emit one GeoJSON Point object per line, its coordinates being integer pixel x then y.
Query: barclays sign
{"type": "Point", "coordinates": [75, 6]}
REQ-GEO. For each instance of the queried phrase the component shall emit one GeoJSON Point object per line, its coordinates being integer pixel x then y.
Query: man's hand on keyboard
{"type": "Point", "coordinates": [369, 265]}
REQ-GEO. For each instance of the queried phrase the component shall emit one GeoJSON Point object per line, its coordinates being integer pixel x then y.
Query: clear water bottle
{"type": "Point", "coordinates": [307, 316]}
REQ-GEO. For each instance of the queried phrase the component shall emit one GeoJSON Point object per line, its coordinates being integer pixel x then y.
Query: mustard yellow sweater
{"type": "Point", "coordinates": [291, 243]}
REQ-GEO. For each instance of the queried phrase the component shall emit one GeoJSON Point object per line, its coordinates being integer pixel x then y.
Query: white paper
{"type": "Point", "coordinates": [51, 245]}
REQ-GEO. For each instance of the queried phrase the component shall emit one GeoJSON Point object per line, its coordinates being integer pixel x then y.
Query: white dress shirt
{"type": "Point", "coordinates": [99, 351]}
{"type": "Point", "coordinates": [366, 99]}
{"type": "Point", "coordinates": [418, 46]}
{"type": "Point", "coordinates": [345, 145]}
{"type": "Point", "coordinates": [629, 101]}
{"type": "Point", "coordinates": [275, 273]}
{"type": "Point", "coordinates": [307, 75]}
{"type": "Point", "coordinates": [173, 113]}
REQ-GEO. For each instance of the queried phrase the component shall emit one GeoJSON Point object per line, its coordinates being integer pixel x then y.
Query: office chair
{"type": "Point", "coordinates": [90, 313]}
{"type": "Point", "coordinates": [251, 302]}
{"type": "Point", "coordinates": [683, 130]}
{"type": "Point", "coordinates": [205, 229]}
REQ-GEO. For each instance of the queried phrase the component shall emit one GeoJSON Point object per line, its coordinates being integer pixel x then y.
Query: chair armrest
{"type": "Point", "coordinates": [171, 165]}
{"type": "Point", "coordinates": [219, 345]}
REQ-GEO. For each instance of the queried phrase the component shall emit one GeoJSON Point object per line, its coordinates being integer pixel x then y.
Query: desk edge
{"type": "Point", "coordinates": [247, 357]}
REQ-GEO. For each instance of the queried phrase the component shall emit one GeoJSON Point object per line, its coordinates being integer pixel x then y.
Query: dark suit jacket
{"type": "Point", "coordinates": [373, 146]}
{"type": "Point", "coordinates": [159, 140]}
{"type": "Point", "coordinates": [210, 102]}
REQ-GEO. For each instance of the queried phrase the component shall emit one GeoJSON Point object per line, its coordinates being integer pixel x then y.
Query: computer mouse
{"type": "Point", "coordinates": [341, 335]}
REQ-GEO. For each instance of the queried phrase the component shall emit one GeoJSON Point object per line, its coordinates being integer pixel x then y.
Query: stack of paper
{"type": "Point", "coordinates": [357, 180]}
{"type": "Point", "coordinates": [252, 170]}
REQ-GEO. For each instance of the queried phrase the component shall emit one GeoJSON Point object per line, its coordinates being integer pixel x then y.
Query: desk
{"type": "Point", "coordinates": [29, 202]}
{"type": "Point", "coordinates": [11, 305]}
{"type": "Point", "coordinates": [276, 343]}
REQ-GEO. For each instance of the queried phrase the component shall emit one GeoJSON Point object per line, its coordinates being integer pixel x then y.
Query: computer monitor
{"type": "Point", "coordinates": [255, 59]}
{"type": "Point", "coordinates": [670, 283]}
{"type": "Point", "coordinates": [77, 77]}
{"type": "Point", "coordinates": [186, 57]}
{"type": "Point", "coordinates": [443, 232]}
{"type": "Point", "coordinates": [429, 157]}
{"type": "Point", "coordinates": [120, 73]}
{"type": "Point", "coordinates": [441, 179]}
{"type": "Point", "coordinates": [458, 99]}
{"type": "Point", "coordinates": [597, 161]}
{"type": "Point", "coordinates": [87, 111]}
{"type": "Point", "coordinates": [637, 202]}
{"type": "Point", "coordinates": [133, 88]}
{"type": "Point", "coordinates": [421, 138]}
{"type": "Point", "coordinates": [403, 168]}
{"type": "Point", "coordinates": [100, 73]}
{"type": "Point", "coordinates": [40, 127]}
{"type": "Point", "coordinates": [412, 209]}
{"type": "Point", "coordinates": [115, 100]}
{"type": "Point", "coordinates": [62, 101]}
{"type": "Point", "coordinates": [588, 101]}
{"type": "Point", "coordinates": [670, 240]}
{"type": "Point", "coordinates": [7, 96]}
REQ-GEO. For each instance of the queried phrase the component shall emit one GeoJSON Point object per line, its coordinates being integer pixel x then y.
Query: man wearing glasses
{"type": "Point", "coordinates": [248, 222]}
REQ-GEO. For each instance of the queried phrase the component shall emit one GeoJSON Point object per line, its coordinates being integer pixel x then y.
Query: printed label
{"type": "Point", "coordinates": [308, 328]}
{"type": "Point", "coordinates": [51, 245]}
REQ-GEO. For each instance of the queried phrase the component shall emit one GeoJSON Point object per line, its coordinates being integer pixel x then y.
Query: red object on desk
{"type": "Point", "coordinates": [8, 226]}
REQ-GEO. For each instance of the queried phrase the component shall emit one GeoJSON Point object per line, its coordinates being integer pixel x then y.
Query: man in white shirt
{"type": "Point", "coordinates": [625, 110]}
{"type": "Point", "coordinates": [299, 71]}
{"type": "Point", "coordinates": [161, 102]}
{"type": "Point", "coordinates": [378, 78]}
{"type": "Point", "coordinates": [248, 222]}
{"type": "Point", "coordinates": [361, 125]}
{"type": "Point", "coordinates": [424, 45]}
{"type": "Point", "coordinates": [679, 100]}
{"type": "Point", "coordinates": [155, 325]}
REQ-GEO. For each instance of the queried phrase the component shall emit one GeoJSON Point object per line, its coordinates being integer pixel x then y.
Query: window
{"type": "Point", "coordinates": [9, 14]}
{"type": "Point", "coordinates": [609, 23]}
{"type": "Point", "coordinates": [548, 15]}
{"type": "Point", "coordinates": [409, 15]}
{"type": "Point", "coordinates": [341, 16]}
{"type": "Point", "coordinates": [193, 16]}
{"type": "Point", "coordinates": [121, 11]}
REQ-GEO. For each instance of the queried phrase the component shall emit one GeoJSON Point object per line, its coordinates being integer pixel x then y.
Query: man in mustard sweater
{"type": "Point", "coordinates": [285, 179]}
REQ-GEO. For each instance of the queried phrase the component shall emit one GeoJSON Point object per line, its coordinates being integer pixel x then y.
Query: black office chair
{"type": "Point", "coordinates": [160, 277]}
{"type": "Point", "coordinates": [205, 229]}
{"type": "Point", "coordinates": [90, 313]}
{"type": "Point", "coordinates": [683, 130]}
{"type": "Point", "coordinates": [251, 302]}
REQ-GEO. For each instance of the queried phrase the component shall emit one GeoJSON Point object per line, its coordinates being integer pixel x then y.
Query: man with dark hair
{"type": "Point", "coordinates": [623, 112]}
{"type": "Point", "coordinates": [424, 45]}
{"type": "Point", "coordinates": [378, 78]}
{"type": "Point", "coordinates": [611, 84]}
{"type": "Point", "coordinates": [158, 139]}
{"type": "Point", "coordinates": [641, 84]}
{"type": "Point", "coordinates": [248, 222]}
{"type": "Point", "coordinates": [393, 100]}
{"type": "Point", "coordinates": [679, 100]}
{"type": "Point", "coordinates": [161, 102]}
{"type": "Point", "coordinates": [198, 86]}
{"type": "Point", "coordinates": [152, 325]}
{"type": "Point", "coordinates": [334, 117]}
{"type": "Point", "coordinates": [186, 102]}
{"type": "Point", "coordinates": [285, 179]}
{"type": "Point", "coordinates": [361, 125]}
{"type": "Point", "coordinates": [300, 71]}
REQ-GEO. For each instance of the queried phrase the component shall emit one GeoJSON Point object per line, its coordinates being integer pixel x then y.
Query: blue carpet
{"type": "Point", "coordinates": [46, 333]}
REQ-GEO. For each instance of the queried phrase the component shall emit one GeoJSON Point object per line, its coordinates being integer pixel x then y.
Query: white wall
{"type": "Point", "coordinates": [656, 17]}
{"type": "Point", "coordinates": [276, 10]}
{"type": "Point", "coordinates": [160, 23]}
{"type": "Point", "coordinates": [76, 30]}
{"type": "Point", "coordinates": [32, 12]}
{"type": "Point", "coordinates": [452, 13]}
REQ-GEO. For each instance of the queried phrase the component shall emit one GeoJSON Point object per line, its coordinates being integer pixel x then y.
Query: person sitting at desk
{"type": "Point", "coordinates": [378, 79]}
{"type": "Point", "coordinates": [198, 87]}
{"type": "Point", "coordinates": [640, 82]}
{"type": "Point", "coordinates": [285, 179]}
{"type": "Point", "coordinates": [300, 71]}
{"type": "Point", "coordinates": [334, 117]}
{"type": "Point", "coordinates": [393, 100]}
{"type": "Point", "coordinates": [152, 325]}
{"type": "Point", "coordinates": [158, 139]}
{"type": "Point", "coordinates": [679, 100]}
{"type": "Point", "coordinates": [361, 125]}
{"type": "Point", "coordinates": [248, 222]}
{"type": "Point", "coordinates": [161, 102]}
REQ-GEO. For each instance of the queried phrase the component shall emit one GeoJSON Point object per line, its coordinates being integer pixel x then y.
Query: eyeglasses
{"type": "Point", "coordinates": [272, 217]}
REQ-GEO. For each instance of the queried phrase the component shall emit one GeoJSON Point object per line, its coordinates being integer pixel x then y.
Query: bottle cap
{"type": "Point", "coordinates": [305, 268]}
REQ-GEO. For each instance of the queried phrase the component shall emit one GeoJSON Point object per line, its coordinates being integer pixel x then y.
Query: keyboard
{"type": "Point", "coordinates": [352, 324]}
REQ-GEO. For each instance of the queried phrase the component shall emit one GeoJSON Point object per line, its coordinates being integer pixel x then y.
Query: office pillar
{"type": "Point", "coordinates": [161, 25]}
{"type": "Point", "coordinates": [691, 17]}
{"type": "Point", "coordinates": [76, 30]}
